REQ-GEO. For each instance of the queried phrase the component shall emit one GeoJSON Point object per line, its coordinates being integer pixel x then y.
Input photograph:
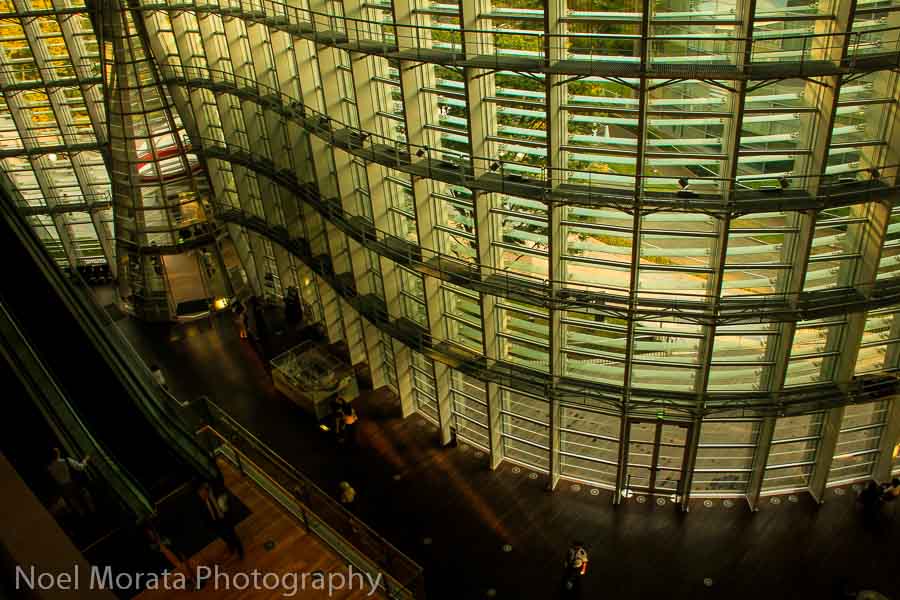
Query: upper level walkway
{"type": "Point", "coordinates": [614, 56]}
{"type": "Point", "coordinates": [554, 186]}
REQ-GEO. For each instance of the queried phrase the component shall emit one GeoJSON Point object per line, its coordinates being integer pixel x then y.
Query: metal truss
{"type": "Point", "coordinates": [555, 295]}
{"type": "Point", "coordinates": [786, 402]}
{"type": "Point", "coordinates": [351, 36]}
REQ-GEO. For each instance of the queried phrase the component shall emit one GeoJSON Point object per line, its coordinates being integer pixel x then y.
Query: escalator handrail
{"type": "Point", "coordinates": [159, 411]}
{"type": "Point", "coordinates": [71, 431]}
{"type": "Point", "coordinates": [139, 390]}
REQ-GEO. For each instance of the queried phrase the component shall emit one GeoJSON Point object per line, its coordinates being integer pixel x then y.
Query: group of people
{"type": "Point", "coordinates": [875, 496]}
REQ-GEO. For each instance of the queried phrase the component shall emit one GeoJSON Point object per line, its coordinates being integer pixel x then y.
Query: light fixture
{"type": "Point", "coordinates": [683, 183]}
{"type": "Point", "coordinates": [494, 166]}
{"type": "Point", "coordinates": [53, 157]}
{"type": "Point", "coordinates": [784, 183]}
{"type": "Point", "coordinates": [874, 174]}
{"type": "Point", "coordinates": [220, 303]}
{"type": "Point", "coordinates": [420, 152]}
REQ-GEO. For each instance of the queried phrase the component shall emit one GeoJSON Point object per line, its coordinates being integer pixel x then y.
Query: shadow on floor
{"type": "Point", "coordinates": [451, 513]}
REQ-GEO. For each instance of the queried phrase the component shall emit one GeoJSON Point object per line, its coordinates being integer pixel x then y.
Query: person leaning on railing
{"type": "Point", "coordinates": [159, 377]}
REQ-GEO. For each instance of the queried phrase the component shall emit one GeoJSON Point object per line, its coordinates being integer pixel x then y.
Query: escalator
{"type": "Point", "coordinates": [104, 385]}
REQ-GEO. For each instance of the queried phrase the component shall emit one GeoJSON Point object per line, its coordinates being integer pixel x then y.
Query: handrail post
{"type": "Point", "coordinates": [237, 455]}
{"type": "Point", "coordinates": [300, 492]}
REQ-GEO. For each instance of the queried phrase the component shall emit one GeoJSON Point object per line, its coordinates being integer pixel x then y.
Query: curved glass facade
{"type": "Point", "coordinates": [52, 129]}
{"type": "Point", "coordinates": [647, 246]}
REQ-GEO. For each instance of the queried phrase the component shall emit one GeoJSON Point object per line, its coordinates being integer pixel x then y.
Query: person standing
{"type": "Point", "coordinates": [350, 421]}
{"type": "Point", "coordinates": [576, 566]}
{"type": "Point", "coordinates": [159, 377]}
{"type": "Point", "coordinates": [220, 515]}
{"type": "Point", "coordinates": [891, 490]}
{"type": "Point", "coordinates": [338, 408]}
{"type": "Point", "coordinates": [348, 494]}
{"type": "Point", "coordinates": [293, 311]}
{"type": "Point", "coordinates": [62, 470]}
{"type": "Point", "coordinates": [870, 498]}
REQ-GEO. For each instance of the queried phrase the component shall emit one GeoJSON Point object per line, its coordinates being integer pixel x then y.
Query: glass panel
{"type": "Point", "coordinates": [793, 452]}
{"type": "Point", "coordinates": [526, 428]}
{"type": "Point", "coordinates": [725, 456]}
{"type": "Point", "coordinates": [641, 441]}
{"type": "Point", "coordinates": [589, 445]}
{"type": "Point", "coordinates": [671, 457]}
{"type": "Point", "coordinates": [857, 444]}
{"type": "Point", "coordinates": [470, 411]}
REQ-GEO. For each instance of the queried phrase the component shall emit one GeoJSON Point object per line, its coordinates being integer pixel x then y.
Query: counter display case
{"type": "Point", "coordinates": [311, 376]}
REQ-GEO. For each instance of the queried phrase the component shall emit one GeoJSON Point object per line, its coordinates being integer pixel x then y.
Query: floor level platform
{"type": "Point", "coordinates": [274, 542]}
{"type": "Point", "coordinates": [475, 530]}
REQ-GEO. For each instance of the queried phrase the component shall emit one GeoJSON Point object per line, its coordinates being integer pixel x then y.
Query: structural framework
{"type": "Point", "coordinates": [650, 246]}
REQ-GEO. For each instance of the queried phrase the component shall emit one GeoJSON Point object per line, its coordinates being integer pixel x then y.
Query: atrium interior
{"type": "Point", "coordinates": [647, 249]}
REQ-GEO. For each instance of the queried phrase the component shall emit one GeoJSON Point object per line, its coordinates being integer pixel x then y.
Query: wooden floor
{"type": "Point", "coordinates": [475, 530]}
{"type": "Point", "coordinates": [294, 551]}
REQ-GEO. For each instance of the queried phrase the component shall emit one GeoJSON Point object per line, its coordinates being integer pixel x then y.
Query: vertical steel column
{"type": "Point", "coordinates": [732, 142]}
{"type": "Point", "coordinates": [364, 69]}
{"type": "Point", "coordinates": [417, 105]}
{"type": "Point", "coordinates": [320, 90]}
{"type": "Point", "coordinates": [633, 287]}
{"type": "Point", "coordinates": [841, 369]}
{"type": "Point", "coordinates": [479, 85]}
{"type": "Point", "coordinates": [555, 47]}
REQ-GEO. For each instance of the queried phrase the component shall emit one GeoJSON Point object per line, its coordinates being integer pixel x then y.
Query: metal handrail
{"type": "Point", "coordinates": [175, 426]}
{"type": "Point", "coordinates": [795, 400]}
{"type": "Point", "coordinates": [316, 508]}
{"type": "Point", "coordinates": [73, 434]}
{"type": "Point", "coordinates": [474, 42]}
{"type": "Point", "coordinates": [607, 299]}
{"type": "Point", "coordinates": [492, 172]}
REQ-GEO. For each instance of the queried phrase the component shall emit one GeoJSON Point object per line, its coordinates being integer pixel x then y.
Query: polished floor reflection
{"type": "Point", "coordinates": [412, 491]}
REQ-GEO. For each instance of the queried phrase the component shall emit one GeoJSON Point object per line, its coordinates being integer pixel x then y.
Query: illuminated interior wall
{"type": "Point", "coordinates": [270, 111]}
{"type": "Point", "coordinates": [53, 127]}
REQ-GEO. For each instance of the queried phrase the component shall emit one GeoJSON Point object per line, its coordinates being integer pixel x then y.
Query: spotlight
{"type": "Point", "coordinates": [494, 166]}
{"type": "Point", "coordinates": [874, 174]}
{"type": "Point", "coordinates": [683, 183]}
{"type": "Point", "coordinates": [53, 157]}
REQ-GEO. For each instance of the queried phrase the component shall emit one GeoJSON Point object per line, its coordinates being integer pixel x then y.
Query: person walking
{"type": "Point", "coordinates": [240, 317]}
{"type": "Point", "coordinates": [219, 512]}
{"type": "Point", "coordinates": [576, 566]}
{"type": "Point", "coordinates": [63, 470]}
